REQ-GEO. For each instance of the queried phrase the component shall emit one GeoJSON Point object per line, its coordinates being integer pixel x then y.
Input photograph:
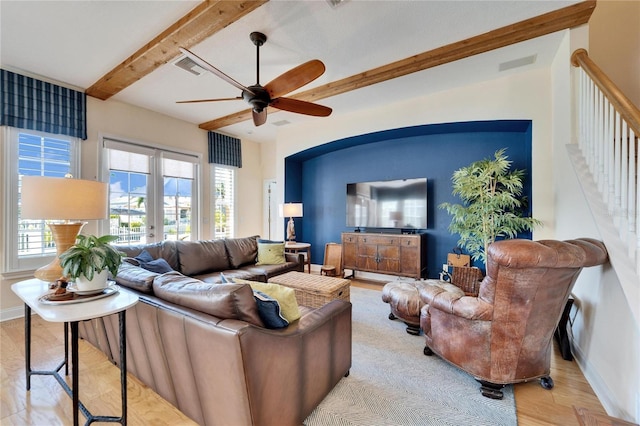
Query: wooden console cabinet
{"type": "Point", "coordinates": [393, 254]}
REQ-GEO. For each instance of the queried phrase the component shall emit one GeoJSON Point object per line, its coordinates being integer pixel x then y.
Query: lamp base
{"type": "Point", "coordinates": [291, 230]}
{"type": "Point", "coordinates": [64, 236]}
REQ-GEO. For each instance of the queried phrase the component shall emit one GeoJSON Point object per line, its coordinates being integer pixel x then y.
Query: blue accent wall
{"type": "Point", "coordinates": [318, 177]}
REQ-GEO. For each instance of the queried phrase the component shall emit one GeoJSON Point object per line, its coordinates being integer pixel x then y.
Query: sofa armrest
{"type": "Point", "coordinates": [135, 277]}
{"type": "Point", "coordinates": [296, 367]}
{"type": "Point", "coordinates": [295, 257]}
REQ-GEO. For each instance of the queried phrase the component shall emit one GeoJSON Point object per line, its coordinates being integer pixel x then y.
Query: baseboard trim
{"type": "Point", "coordinates": [598, 385]}
{"type": "Point", "coordinates": [11, 313]}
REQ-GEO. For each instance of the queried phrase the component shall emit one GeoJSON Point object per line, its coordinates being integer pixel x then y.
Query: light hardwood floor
{"type": "Point", "coordinates": [47, 404]}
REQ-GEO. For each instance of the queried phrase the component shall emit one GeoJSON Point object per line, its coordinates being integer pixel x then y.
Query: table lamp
{"type": "Point", "coordinates": [291, 210]}
{"type": "Point", "coordinates": [62, 199]}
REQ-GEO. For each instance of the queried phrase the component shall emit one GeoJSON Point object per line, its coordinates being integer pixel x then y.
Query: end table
{"type": "Point", "coordinates": [30, 292]}
{"type": "Point", "coordinates": [294, 247]}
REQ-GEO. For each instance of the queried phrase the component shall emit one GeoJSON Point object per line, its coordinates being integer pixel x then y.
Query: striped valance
{"type": "Point", "coordinates": [225, 150]}
{"type": "Point", "coordinates": [27, 103]}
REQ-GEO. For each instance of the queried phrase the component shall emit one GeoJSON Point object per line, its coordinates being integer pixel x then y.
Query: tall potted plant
{"type": "Point", "coordinates": [89, 261]}
{"type": "Point", "coordinates": [492, 205]}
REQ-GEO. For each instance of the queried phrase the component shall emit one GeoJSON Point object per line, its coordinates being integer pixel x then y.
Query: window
{"type": "Point", "coordinates": [27, 152]}
{"type": "Point", "coordinates": [224, 201]}
{"type": "Point", "coordinates": [152, 192]}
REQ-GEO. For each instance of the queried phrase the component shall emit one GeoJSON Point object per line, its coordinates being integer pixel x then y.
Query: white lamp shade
{"type": "Point", "coordinates": [63, 198]}
{"type": "Point", "coordinates": [291, 210]}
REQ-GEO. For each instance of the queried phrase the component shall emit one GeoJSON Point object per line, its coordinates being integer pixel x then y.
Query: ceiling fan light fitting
{"type": "Point", "coordinates": [258, 38]}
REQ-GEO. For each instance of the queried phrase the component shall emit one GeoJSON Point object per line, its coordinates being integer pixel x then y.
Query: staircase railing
{"type": "Point", "coordinates": [606, 159]}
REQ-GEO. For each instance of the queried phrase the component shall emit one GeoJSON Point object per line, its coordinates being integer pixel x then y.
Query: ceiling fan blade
{"type": "Point", "coordinates": [209, 100]}
{"type": "Point", "coordinates": [301, 107]}
{"type": "Point", "coordinates": [295, 78]}
{"type": "Point", "coordinates": [207, 66]}
{"type": "Point", "coordinates": [259, 118]}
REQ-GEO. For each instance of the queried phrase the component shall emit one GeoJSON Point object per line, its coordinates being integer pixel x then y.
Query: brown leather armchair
{"type": "Point", "coordinates": [504, 335]}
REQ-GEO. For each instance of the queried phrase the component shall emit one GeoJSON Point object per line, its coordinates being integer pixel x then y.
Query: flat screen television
{"type": "Point", "coordinates": [400, 204]}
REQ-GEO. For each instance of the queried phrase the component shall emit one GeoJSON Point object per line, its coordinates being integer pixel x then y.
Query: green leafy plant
{"type": "Point", "coordinates": [89, 255]}
{"type": "Point", "coordinates": [492, 204]}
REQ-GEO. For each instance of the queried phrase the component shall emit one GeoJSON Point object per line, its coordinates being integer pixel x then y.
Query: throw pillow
{"type": "Point", "coordinates": [158, 265]}
{"type": "Point", "coordinates": [285, 296]}
{"type": "Point", "coordinates": [270, 253]}
{"type": "Point", "coordinates": [269, 311]}
{"type": "Point", "coordinates": [146, 261]}
{"type": "Point", "coordinates": [263, 240]}
{"type": "Point", "coordinates": [144, 256]}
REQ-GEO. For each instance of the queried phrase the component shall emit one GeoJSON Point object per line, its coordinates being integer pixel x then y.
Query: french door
{"type": "Point", "coordinates": [153, 192]}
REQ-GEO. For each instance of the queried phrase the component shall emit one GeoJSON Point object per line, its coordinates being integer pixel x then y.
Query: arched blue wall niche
{"type": "Point", "coordinates": [318, 177]}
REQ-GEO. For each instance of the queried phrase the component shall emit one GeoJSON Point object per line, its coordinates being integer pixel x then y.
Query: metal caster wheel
{"type": "Point", "coordinates": [546, 382]}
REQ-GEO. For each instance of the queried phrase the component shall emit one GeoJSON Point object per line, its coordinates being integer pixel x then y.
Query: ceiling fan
{"type": "Point", "coordinates": [260, 97]}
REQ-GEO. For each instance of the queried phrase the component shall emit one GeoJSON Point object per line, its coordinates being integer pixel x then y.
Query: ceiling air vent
{"type": "Point", "coordinates": [188, 65]}
{"type": "Point", "coordinates": [527, 60]}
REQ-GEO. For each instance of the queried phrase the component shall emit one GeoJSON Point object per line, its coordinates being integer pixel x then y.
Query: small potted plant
{"type": "Point", "coordinates": [492, 205]}
{"type": "Point", "coordinates": [89, 261]}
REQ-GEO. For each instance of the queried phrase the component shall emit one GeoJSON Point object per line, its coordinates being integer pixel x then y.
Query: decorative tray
{"type": "Point", "coordinates": [79, 297]}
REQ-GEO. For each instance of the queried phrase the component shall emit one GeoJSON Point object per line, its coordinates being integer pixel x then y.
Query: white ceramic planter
{"type": "Point", "coordinates": [99, 281]}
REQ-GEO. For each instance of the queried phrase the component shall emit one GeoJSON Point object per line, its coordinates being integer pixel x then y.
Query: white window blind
{"type": "Point", "coordinates": [29, 243]}
{"type": "Point", "coordinates": [224, 202]}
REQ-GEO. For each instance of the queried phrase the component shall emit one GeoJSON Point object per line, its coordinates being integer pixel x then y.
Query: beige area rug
{"type": "Point", "coordinates": [393, 383]}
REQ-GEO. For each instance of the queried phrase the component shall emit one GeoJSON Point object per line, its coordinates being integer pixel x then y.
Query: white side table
{"type": "Point", "coordinates": [294, 247]}
{"type": "Point", "coordinates": [30, 291]}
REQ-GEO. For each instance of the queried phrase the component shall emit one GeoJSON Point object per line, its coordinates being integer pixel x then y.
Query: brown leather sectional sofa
{"type": "Point", "coordinates": [204, 260]}
{"type": "Point", "coordinates": [199, 345]}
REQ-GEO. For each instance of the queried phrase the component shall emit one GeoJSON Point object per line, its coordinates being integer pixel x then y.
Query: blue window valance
{"type": "Point", "coordinates": [225, 150]}
{"type": "Point", "coordinates": [27, 103]}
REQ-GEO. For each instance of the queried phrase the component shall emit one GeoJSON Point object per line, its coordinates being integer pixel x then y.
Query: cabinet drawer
{"type": "Point", "coordinates": [349, 238]}
{"type": "Point", "coordinates": [381, 240]}
{"type": "Point", "coordinates": [410, 242]}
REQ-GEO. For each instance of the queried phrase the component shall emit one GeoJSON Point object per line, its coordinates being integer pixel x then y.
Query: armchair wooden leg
{"type": "Point", "coordinates": [414, 330]}
{"type": "Point", "coordinates": [427, 351]}
{"type": "Point", "coordinates": [491, 390]}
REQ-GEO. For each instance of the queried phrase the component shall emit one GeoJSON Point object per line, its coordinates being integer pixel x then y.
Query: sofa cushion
{"type": "Point", "coordinates": [225, 301]}
{"type": "Point", "coordinates": [199, 257]}
{"type": "Point", "coordinates": [135, 277]}
{"type": "Point", "coordinates": [241, 251]}
{"type": "Point", "coordinates": [285, 296]}
{"type": "Point", "coordinates": [270, 253]}
{"type": "Point", "coordinates": [269, 311]}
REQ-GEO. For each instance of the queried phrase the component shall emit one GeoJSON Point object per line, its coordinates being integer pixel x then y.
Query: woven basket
{"type": "Point", "coordinates": [467, 278]}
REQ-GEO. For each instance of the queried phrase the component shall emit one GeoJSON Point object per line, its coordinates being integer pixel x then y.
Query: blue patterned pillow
{"type": "Point", "coordinates": [269, 311]}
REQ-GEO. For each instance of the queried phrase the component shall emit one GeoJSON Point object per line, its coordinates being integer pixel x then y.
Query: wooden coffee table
{"type": "Point", "coordinates": [314, 290]}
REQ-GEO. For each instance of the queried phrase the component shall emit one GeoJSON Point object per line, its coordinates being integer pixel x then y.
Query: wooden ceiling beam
{"type": "Point", "coordinates": [200, 23]}
{"type": "Point", "coordinates": [548, 23]}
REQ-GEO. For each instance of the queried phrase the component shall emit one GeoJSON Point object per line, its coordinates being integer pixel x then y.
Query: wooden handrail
{"type": "Point", "coordinates": [621, 103]}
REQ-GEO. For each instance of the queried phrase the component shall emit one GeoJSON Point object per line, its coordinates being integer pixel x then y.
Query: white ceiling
{"type": "Point", "coordinates": [76, 42]}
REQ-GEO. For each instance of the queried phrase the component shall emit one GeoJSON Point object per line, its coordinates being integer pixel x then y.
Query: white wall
{"type": "Point", "coordinates": [614, 43]}
{"type": "Point", "coordinates": [606, 337]}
